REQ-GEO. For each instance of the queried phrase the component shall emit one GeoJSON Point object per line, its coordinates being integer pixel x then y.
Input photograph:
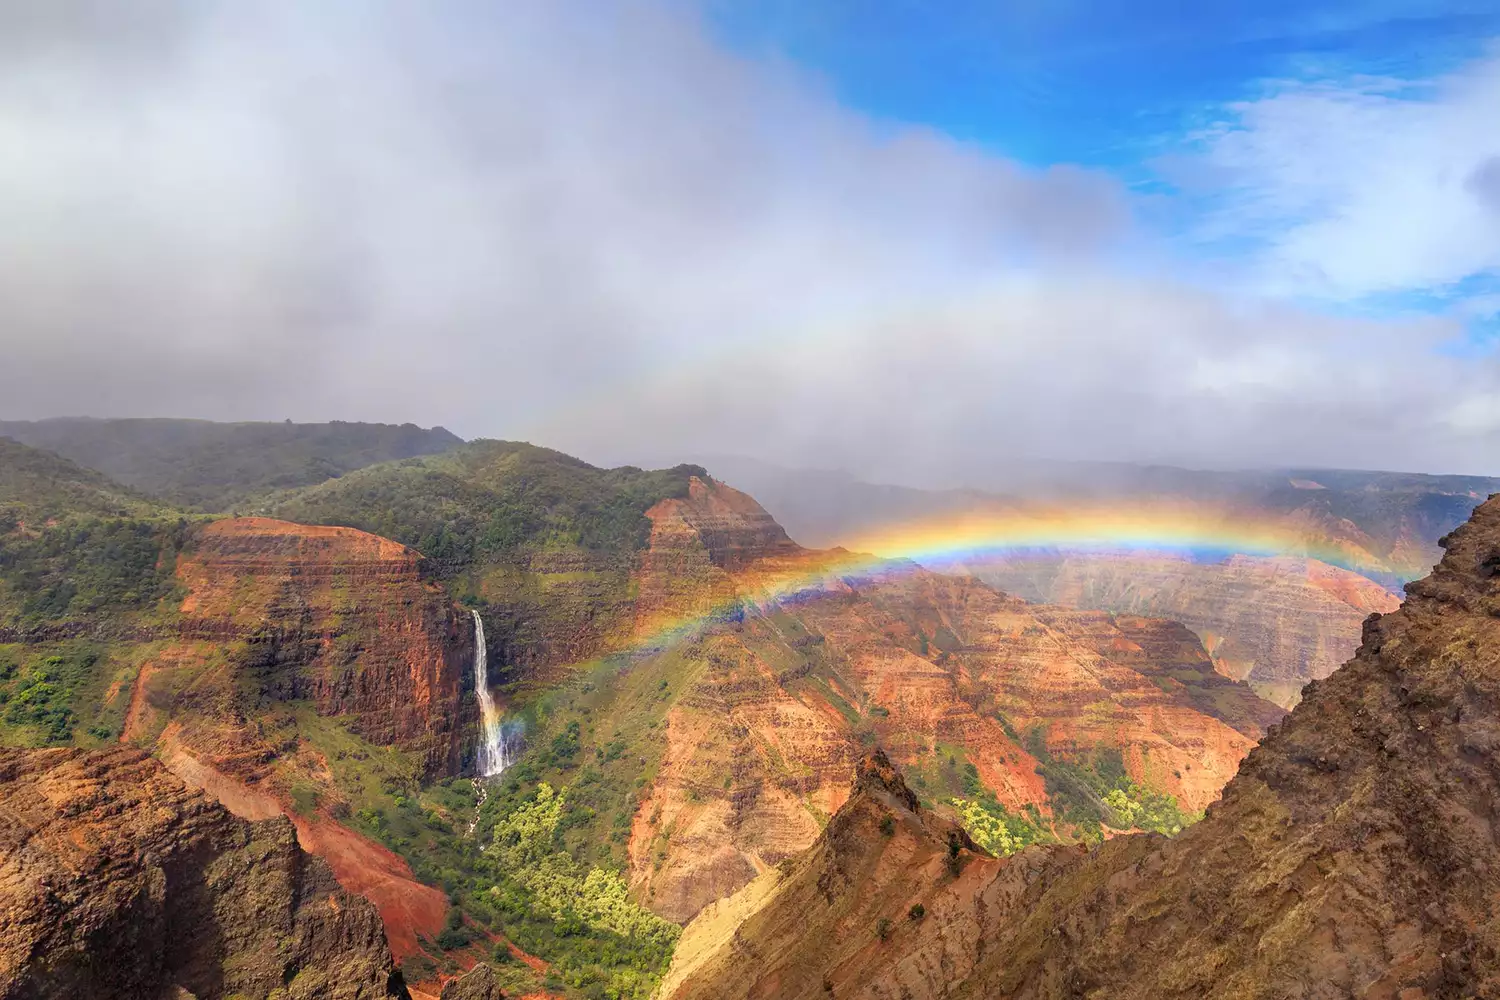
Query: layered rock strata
{"type": "Point", "coordinates": [339, 617]}
{"type": "Point", "coordinates": [1275, 623]}
{"type": "Point", "coordinates": [1352, 855]}
{"type": "Point", "coordinates": [782, 695]}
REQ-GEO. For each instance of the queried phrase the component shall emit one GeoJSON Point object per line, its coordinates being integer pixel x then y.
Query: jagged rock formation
{"type": "Point", "coordinates": [1275, 623]}
{"type": "Point", "coordinates": [336, 616]}
{"type": "Point", "coordinates": [885, 879]}
{"type": "Point", "coordinates": [781, 700]}
{"type": "Point", "coordinates": [476, 984]}
{"type": "Point", "coordinates": [1354, 854]}
{"type": "Point", "coordinates": [117, 881]}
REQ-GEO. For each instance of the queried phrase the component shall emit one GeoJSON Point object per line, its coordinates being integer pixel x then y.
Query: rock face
{"type": "Point", "coordinates": [116, 880]}
{"type": "Point", "coordinates": [1275, 623]}
{"type": "Point", "coordinates": [785, 694]}
{"type": "Point", "coordinates": [476, 984]}
{"type": "Point", "coordinates": [888, 885]}
{"type": "Point", "coordinates": [1354, 854]}
{"type": "Point", "coordinates": [336, 616]}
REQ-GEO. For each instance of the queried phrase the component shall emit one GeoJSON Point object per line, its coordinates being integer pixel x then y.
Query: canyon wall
{"type": "Point", "coordinates": [782, 695]}
{"type": "Point", "coordinates": [1352, 855]}
{"type": "Point", "coordinates": [1275, 623]}
{"type": "Point", "coordinates": [335, 616]}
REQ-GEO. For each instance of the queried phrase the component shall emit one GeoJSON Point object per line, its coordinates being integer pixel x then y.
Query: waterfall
{"type": "Point", "coordinates": [492, 750]}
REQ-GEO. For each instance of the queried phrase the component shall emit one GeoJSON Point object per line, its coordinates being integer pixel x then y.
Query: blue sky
{"type": "Point", "coordinates": [1095, 83]}
{"type": "Point", "coordinates": [1130, 89]}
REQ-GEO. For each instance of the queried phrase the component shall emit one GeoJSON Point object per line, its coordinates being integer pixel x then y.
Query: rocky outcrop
{"type": "Point", "coordinates": [336, 616]}
{"type": "Point", "coordinates": [887, 885]}
{"type": "Point", "coordinates": [476, 984]}
{"type": "Point", "coordinates": [116, 880]}
{"type": "Point", "coordinates": [733, 529]}
{"type": "Point", "coordinates": [1352, 855]}
{"type": "Point", "coordinates": [1275, 623]}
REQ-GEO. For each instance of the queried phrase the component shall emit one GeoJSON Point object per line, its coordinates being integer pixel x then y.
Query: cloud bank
{"type": "Point", "coordinates": [590, 226]}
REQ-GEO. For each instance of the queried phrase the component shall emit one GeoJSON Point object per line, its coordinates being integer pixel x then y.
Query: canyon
{"type": "Point", "coordinates": [777, 703]}
{"type": "Point", "coordinates": [696, 696]}
{"type": "Point", "coordinates": [1352, 854]}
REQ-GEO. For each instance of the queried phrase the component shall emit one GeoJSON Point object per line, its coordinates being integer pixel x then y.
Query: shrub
{"type": "Point", "coordinates": [917, 911]}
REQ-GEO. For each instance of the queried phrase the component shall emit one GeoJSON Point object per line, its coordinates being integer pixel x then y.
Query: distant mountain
{"type": "Point", "coordinates": [211, 466]}
{"type": "Point", "coordinates": [1275, 623]}
{"type": "Point", "coordinates": [1394, 517]}
{"type": "Point", "coordinates": [1352, 855]}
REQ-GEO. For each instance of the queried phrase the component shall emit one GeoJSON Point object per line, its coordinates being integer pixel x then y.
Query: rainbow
{"type": "Point", "coordinates": [949, 542]}
{"type": "Point", "coordinates": [1179, 528]}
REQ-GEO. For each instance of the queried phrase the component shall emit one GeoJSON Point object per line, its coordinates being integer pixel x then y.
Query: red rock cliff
{"type": "Point", "coordinates": [343, 618]}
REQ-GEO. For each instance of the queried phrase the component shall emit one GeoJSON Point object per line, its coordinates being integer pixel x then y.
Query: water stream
{"type": "Point", "coordinates": [493, 753]}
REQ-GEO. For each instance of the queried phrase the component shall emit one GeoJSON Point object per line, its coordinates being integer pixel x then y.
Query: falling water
{"type": "Point", "coordinates": [492, 750]}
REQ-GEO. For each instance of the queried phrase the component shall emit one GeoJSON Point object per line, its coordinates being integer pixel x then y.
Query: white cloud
{"type": "Point", "coordinates": [588, 225]}
{"type": "Point", "coordinates": [1367, 186]}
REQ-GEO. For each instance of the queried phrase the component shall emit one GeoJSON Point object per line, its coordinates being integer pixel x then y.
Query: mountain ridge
{"type": "Point", "coordinates": [214, 467]}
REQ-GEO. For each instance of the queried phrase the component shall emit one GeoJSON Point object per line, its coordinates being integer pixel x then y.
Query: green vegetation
{"type": "Point", "coordinates": [544, 864]}
{"type": "Point", "coordinates": [54, 693]}
{"type": "Point", "coordinates": [88, 566]}
{"type": "Point", "coordinates": [217, 467]}
{"type": "Point", "coordinates": [537, 882]}
{"type": "Point", "coordinates": [75, 545]}
{"type": "Point", "coordinates": [37, 487]}
{"type": "Point", "coordinates": [1096, 792]}
{"type": "Point", "coordinates": [997, 829]}
{"type": "Point", "coordinates": [494, 501]}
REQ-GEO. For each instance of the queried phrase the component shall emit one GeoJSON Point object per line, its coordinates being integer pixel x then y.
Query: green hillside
{"type": "Point", "coordinates": [211, 466]}
{"type": "Point", "coordinates": [84, 564]}
{"type": "Point", "coordinates": [37, 486]}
